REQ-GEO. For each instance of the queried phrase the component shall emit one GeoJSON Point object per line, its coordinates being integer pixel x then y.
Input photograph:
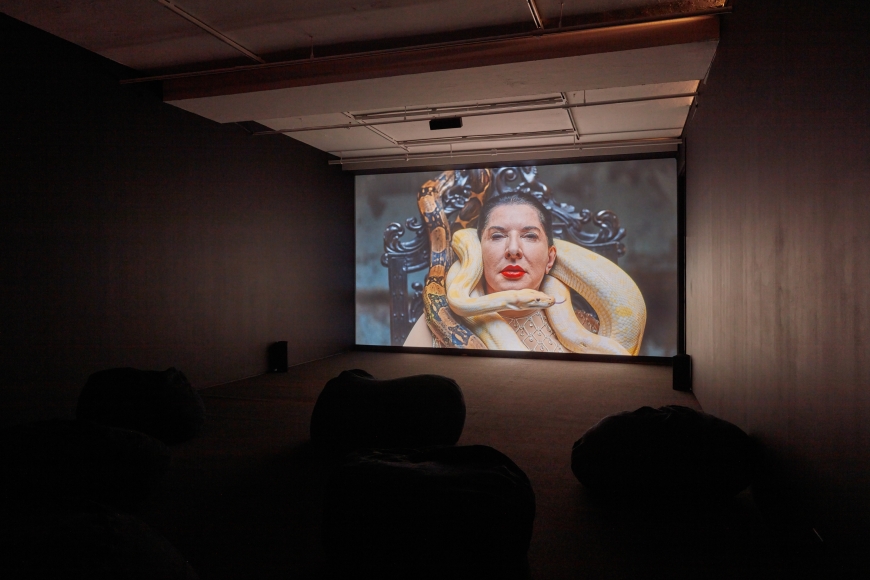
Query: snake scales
{"type": "Point", "coordinates": [460, 315]}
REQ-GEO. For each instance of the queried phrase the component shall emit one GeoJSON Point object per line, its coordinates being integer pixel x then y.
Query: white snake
{"type": "Point", "coordinates": [608, 289]}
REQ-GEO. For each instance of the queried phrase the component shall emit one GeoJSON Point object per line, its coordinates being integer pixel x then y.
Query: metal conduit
{"type": "Point", "coordinates": [511, 150]}
{"type": "Point", "coordinates": [213, 31]}
{"type": "Point", "coordinates": [490, 137]}
{"type": "Point", "coordinates": [456, 109]}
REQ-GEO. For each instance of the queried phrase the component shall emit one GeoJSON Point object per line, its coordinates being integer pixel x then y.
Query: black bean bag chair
{"type": "Point", "coordinates": [439, 512]}
{"type": "Point", "coordinates": [49, 461]}
{"type": "Point", "coordinates": [662, 456]}
{"type": "Point", "coordinates": [97, 544]}
{"type": "Point", "coordinates": [355, 410]}
{"type": "Point", "coordinates": [161, 404]}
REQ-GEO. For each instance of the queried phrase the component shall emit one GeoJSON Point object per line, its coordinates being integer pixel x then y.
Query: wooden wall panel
{"type": "Point", "coordinates": [778, 251]}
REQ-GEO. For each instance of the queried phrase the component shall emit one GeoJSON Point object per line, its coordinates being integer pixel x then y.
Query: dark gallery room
{"type": "Point", "coordinates": [255, 259]}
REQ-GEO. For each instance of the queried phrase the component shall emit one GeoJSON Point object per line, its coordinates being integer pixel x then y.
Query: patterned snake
{"type": "Point", "coordinates": [448, 331]}
{"type": "Point", "coordinates": [476, 324]}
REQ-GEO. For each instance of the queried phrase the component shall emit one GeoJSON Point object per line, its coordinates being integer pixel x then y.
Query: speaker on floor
{"type": "Point", "coordinates": [278, 357]}
{"type": "Point", "coordinates": [682, 372]}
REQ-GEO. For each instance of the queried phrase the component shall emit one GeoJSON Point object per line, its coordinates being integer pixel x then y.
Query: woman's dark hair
{"type": "Point", "coordinates": [518, 198]}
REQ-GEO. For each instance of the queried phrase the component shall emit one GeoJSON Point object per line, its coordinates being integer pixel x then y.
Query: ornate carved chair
{"type": "Point", "coordinates": [402, 257]}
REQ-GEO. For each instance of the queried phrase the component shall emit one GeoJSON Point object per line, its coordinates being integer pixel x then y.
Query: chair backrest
{"type": "Point", "coordinates": [404, 257]}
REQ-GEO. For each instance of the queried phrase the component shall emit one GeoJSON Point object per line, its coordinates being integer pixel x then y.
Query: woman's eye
{"type": "Point", "coordinates": [530, 236]}
{"type": "Point", "coordinates": [496, 236]}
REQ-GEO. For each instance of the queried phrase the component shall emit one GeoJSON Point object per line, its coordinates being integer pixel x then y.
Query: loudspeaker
{"type": "Point", "coordinates": [278, 357]}
{"type": "Point", "coordinates": [682, 372]}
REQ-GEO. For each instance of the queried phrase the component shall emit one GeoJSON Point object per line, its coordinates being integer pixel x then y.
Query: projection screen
{"type": "Point", "coordinates": [571, 258]}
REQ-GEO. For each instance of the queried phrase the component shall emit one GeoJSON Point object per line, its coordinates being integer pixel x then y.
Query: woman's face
{"type": "Point", "coordinates": [516, 253]}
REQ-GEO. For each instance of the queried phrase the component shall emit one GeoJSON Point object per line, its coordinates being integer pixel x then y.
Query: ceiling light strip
{"type": "Point", "coordinates": [214, 32]}
{"type": "Point", "coordinates": [651, 142]}
{"type": "Point", "coordinates": [491, 137]}
{"type": "Point", "coordinates": [452, 44]}
{"type": "Point", "coordinates": [351, 125]}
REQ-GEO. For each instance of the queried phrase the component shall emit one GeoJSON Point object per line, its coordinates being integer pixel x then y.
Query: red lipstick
{"type": "Point", "coordinates": [513, 272]}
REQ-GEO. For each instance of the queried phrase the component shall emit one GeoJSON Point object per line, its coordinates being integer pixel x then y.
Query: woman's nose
{"type": "Point", "coordinates": [513, 248]}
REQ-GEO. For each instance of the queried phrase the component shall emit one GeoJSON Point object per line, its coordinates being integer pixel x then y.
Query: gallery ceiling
{"type": "Point", "coordinates": [361, 80]}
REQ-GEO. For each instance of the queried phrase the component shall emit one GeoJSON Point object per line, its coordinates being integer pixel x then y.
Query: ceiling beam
{"type": "Point", "coordinates": [471, 54]}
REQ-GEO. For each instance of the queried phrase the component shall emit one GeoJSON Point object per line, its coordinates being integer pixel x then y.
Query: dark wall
{"type": "Point", "coordinates": [778, 250]}
{"type": "Point", "coordinates": [134, 233]}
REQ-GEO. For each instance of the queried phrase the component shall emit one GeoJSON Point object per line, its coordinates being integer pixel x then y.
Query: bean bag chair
{"type": "Point", "coordinates": [670, 454]}
{"type": "Point", "coordinates": [97, 544]}
{"type": "Point", "coordinates": [161, 404]}
{"type": "Point", "coordinates": [355, 410]}
{"type": "Point", "coordinates": [439, 512]}
{"type": "Point", "coordinates": [51, 460]}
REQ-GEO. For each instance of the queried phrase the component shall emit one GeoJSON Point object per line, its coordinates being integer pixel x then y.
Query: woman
{"type": "Point", "coordinates": [517, 251]}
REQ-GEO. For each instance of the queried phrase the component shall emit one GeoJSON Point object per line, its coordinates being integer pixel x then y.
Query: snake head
{"type": "Point", "coordinates": [528, 298]}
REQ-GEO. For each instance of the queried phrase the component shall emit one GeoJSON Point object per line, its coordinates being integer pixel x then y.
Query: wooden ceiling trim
{"type": "Point", "coordinates": [443, 58]}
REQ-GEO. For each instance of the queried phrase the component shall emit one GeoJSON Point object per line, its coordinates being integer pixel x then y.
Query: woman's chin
{"type": "Point", "coordinates": [505, 285]}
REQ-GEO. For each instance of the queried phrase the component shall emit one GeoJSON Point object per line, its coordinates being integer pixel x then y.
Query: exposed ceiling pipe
{"type": "Point", "coordinates": [492, 137]}
{"type": "Point", "coordinates": [571, 115]}
{"type": "Point", "coordinates": [214, 32]}
{"type": "Point", "coordinates": [651, 142]}
{"type": "Point", "coordinates": [456, 109]}
{"type": "Point", "coordinates": [380, 133]}
{"type": "Point", "coordinates": [653, 130]}
{"type": "Point", "coordinates": [453, 44]}
{"type": "Point", "coordinates": [536, 14]}
{"type": "Point", "coordinates": [511, 137]}
{"type": "Point", "coordinates": [352, 124]}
